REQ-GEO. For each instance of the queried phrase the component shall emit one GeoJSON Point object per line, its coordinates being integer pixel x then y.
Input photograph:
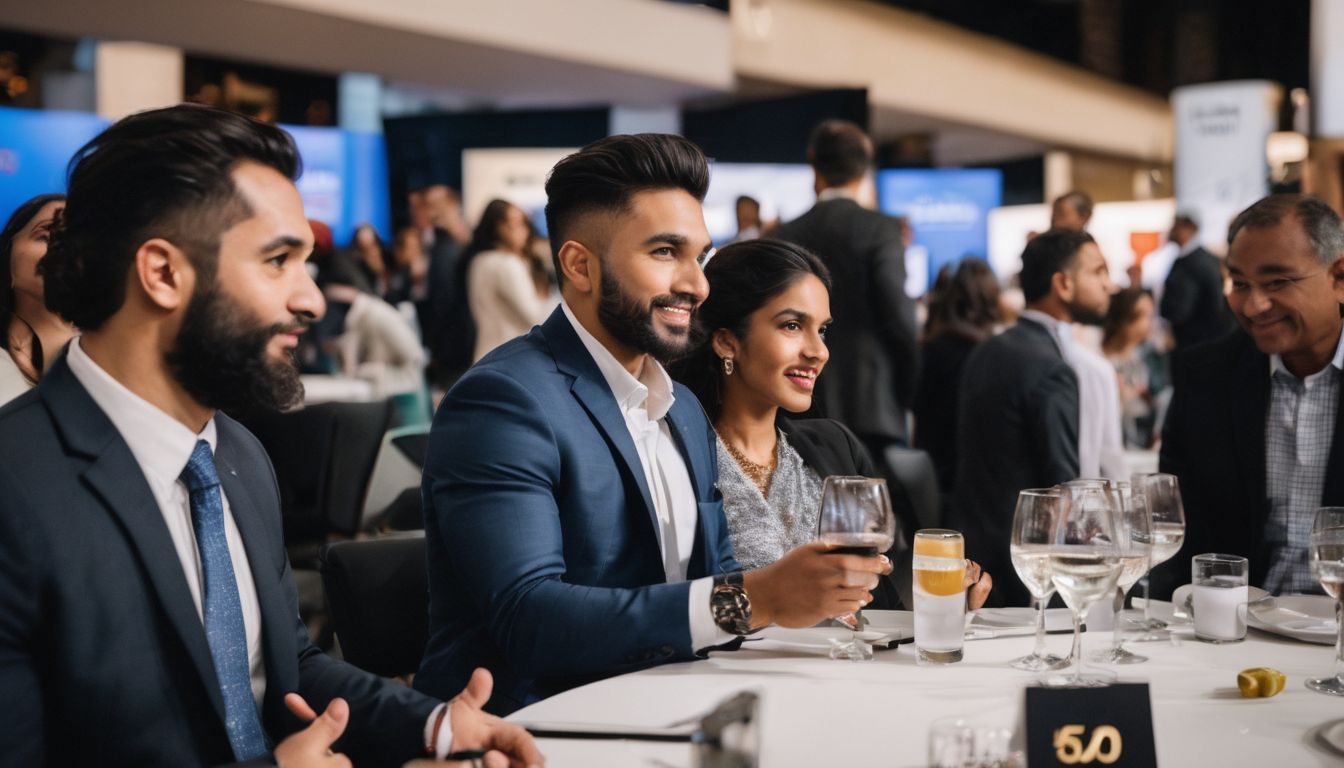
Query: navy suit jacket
{"type": "Point", "coordinates": [544, 564]}
{"type": "Point", "coordinates": [103, 657]}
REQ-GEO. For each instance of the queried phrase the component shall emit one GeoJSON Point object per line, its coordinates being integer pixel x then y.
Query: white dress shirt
{"type": "Point", "coordinates": [644, 403]}
{"type": "Point", "coordinates": [162, 446]}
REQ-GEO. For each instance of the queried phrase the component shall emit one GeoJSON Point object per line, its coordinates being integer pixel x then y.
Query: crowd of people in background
{"type": "Point", "coordinates": [625, 408]}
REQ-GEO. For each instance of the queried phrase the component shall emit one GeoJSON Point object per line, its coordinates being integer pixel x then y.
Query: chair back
{"type": "Point", "coordinates": [378, 590]}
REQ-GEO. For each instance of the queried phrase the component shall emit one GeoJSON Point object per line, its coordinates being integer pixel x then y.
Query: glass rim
{"type": "Point", "coordinates": [1218, 557]}
{"type": "Point", "coordinates": [1051, 491]}
{"type": "Point", "coordinates": [938, 533]}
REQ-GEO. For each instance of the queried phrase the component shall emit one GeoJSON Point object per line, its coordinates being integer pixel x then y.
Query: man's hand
{"type": "Point", "coordinates": [508, 745]}
{"type": "Point", "coordinates": [808, 585]}
{"type": "Point", "coordinates": [312, 745]}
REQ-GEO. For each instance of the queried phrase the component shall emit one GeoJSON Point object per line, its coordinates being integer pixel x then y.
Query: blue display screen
{"type": "Point", "coordinates": [948, 209]}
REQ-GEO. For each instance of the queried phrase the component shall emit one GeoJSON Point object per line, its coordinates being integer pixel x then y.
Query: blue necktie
{"type": "Point", "coordinates": [223, 611]}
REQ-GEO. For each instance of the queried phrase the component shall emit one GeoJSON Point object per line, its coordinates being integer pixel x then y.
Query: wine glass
{"type": "Point", "coordinates": [1327, 565]}
{"type": "Point", "coordinates": [1084, 566]}
{"type": "Point", "coordinates": [1163, 493]}
{"type": "Point", "coordinates": [855, 519]}
{"type": "Point", "coordinates": [1033, 531]}
{"type": "Point", "coordinates": [1136, 545]}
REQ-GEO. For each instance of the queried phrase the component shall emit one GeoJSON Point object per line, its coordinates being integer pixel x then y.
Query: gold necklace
{"type": "Point", "coordinates": [759, 474]}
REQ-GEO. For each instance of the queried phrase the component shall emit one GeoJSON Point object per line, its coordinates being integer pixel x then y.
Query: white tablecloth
{"type": "Point", "coordinates": [819, 712]}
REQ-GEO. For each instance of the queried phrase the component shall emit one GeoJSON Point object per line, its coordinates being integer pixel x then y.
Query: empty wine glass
{"type": "Point", "coordinates": [855, 519]}
{"type": "Point", "coordinates": [1136, 544]}
{"type": "Point", "coordinates": [1084, 566]}
{"type": "Point", "coordinates": [1033, 531]}
{"type": "Point", "coordinates": [1327, 565]}
{"type": "Point", "coordinates": [1163, 493]}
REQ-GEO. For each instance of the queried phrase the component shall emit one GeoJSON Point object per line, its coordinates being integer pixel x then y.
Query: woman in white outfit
{"type": "Point", "coordinates": [505, 297]}
{"type": "Point", "coordinates": [31, 336]}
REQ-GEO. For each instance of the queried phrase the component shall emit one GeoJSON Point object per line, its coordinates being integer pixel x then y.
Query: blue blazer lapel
{"type": "Point", "coordinates": [591, 390]}
{"type": "Point", "coordinates": [115, 477]}
{"type": "Point", "coordinates": [277, 627]}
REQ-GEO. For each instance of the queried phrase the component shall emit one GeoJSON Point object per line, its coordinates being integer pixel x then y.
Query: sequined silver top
{"type": "Point", "coordinates": [764, 529]}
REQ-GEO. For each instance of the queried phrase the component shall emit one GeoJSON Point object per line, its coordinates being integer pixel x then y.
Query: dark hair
{"type": "Point", "coordinates": [967, 304]}
{"type": "Point", "coordinates": [1079, 200]}
{"type": "Point", "coordinates": [486, 235]}
{"type": "Point", "coordinates": [747, 199]}
{"type": "Point", "coordinates": [839, 152]}
{"type": "Point", "coordinates": [1319, 221]}
{"type": "Point", "coordinates": [21, 217]}
{"type": "Point", "coordinates": [603, 177]}
{"type": "Point", "coordinates": [743, 277]}
{"type": "Point", "coordinates": [162, 173]}
{"type": "Point", "coordinates": [1121, 313]}
{"type": "Point", "coordinates": [1047, 253]}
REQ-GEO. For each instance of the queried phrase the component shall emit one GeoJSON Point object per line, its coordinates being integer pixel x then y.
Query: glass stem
{"type": "Point", "coordinates": [1147, 602]}
{"type": "Point", "coordinates": [1076, 655]}
{"type": "Point", "coordinates": [1339, 640]}
{"type": "Point", "coordinates": [1116, 637]}
{"type": "Point", "coordinates": [1040, 626]}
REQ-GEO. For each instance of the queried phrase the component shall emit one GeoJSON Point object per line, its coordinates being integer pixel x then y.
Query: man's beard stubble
{"type": "Point", "coordinates": [219, 357]}
{"type": "Point", "coordinates": [631, 323]}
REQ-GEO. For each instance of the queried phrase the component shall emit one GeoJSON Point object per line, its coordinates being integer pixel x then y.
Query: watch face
{"type": "Point", "coordinates": [731, 608]}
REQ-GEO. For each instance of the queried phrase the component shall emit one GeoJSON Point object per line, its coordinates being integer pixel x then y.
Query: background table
{"type": "Point", "coordinates": [819, 712]}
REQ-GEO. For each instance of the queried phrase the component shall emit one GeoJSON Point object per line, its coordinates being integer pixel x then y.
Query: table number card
{"type": "Point", "coordinates": [1111, 726]}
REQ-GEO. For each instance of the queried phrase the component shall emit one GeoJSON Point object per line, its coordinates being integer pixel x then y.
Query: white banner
{"type": "Point", "coordinates": [1221, 130]}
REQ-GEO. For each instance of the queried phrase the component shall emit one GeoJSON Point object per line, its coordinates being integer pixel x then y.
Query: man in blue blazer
{"type": "Point", "coordinates": [574, 527]}
{"type": "Point", "coordinates": [147, 611]}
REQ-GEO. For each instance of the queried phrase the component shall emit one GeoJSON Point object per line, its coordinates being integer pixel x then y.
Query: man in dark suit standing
{"type": "Point", "coordinates": [575, 530]}
{"type": "Point", "coordinates": [147, 611]}
{"type": "Point", "coordinates": [1017, 412]}
{"type": "Point", "coordinates": [1254, 430]}
{"type": "Point", "coordinates": [874, 351]}
{"type": "Point", "coordinates": [1192, 297]}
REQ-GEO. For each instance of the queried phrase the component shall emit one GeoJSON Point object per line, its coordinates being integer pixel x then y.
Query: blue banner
{"type": "Point", "coordinates": [344, 182]}
{"type": "Point", "coordinates": [948, 209]}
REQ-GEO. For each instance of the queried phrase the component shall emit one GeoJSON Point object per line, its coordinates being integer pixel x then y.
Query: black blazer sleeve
{"type": "Point", "coordinates": [1054, 424]}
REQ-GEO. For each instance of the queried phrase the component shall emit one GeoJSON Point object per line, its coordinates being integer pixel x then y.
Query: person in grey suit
{"type": "Point", "coordinates": [1192, 297]}
{"type": "Point", "coordinates": [148, 614]}
{"type": "Point", "coordinates": [874, 349]}
{"type": "Point", "coordinates": [1017, 412]}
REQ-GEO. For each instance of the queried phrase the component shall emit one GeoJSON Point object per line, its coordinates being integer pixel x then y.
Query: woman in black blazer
{"type": "Point", "coordinates": [762, 347]}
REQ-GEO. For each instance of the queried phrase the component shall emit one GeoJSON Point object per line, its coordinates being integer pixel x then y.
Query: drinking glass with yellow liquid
{"type": "Point", "coordinates": [939, 564]}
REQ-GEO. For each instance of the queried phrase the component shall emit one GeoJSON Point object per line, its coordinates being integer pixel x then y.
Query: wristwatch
{"type": "Point", "coordinates": [729, 604]}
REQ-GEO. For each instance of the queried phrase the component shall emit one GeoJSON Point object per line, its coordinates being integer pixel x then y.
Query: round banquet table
{"type": "Point", "coordinates": [819, 712]}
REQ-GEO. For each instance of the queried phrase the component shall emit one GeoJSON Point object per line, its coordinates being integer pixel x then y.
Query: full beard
{"type": "Point", "coordinates": [219, 358]}
{"type": "Point", "coordinates": [632, 324]}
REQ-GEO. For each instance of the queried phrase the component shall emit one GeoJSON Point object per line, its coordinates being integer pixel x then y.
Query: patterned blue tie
{"type": "Point", "coordinates": [223, 611]}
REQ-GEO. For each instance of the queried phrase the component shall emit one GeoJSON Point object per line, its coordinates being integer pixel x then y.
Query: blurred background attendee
{"type": "Point", "coordinates": [374, 342]}
{"type": "Point", "coordinates": [1139, 366]}
{"type": "Point", "coordinates": [763, 348]}
{"type": "Point", "coordinates": [368, 253]}
{"type": "Point", "coordinates": [1072, 211]}
{"type": "Point", "coordinates": [748, 218]}
{"type": "Point", "coordinates": [32, 335]}
{"type": "Point", "coordinates": [409, 279]}
{"type": "Point", "coordinates": [1192, 297]}
{"type": "Point", "coordinates": [502, 290]}
{"type": "Point", "coordinates": [963, 311]}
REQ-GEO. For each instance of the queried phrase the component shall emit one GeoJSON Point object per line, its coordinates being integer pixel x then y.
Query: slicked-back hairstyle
{"type": "Point", "coordinates": [165, 174]}
{"type": "Point", "coordinates": [839, 152]}
{"type": "Point", "coordinates": [1079, 201]}
{"type": "Point", "coordinates": [1048, 253]}
{"type": "Point", "coordinates": [1318, 220]}
{"type": "Point", "coordinates": [743, 277]}
{"type": "Point", "coordinates": [603, 177]}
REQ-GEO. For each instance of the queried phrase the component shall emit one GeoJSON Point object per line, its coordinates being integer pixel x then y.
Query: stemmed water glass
{"type": "Point", "coordinates": [855, 519]}
{"type": "Point", "coordinates": [1136, 544]}
{"type": "Point", "coordinates": [1163, 493]}
{"type": "Point", "coordinates": [1084, 566]}
{"type": "Point", "coordinates": [1033, 531]}
{"type": "Point", "coordinates": [1327, 565]}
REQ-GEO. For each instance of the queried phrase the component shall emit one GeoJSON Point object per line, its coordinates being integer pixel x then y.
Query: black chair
{"type": "Point", "coordinates": [378, 590]}
{"type": "Point", "coordinates": [913, 472]}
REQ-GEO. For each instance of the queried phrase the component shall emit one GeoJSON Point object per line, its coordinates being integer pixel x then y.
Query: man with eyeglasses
{"type": "Point", "coordinates": [1251, 433]}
